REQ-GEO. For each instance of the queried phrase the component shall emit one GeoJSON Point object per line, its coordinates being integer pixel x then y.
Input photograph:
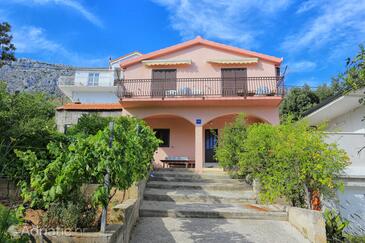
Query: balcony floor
{"type": "Point", "coordinates": [269, 101]}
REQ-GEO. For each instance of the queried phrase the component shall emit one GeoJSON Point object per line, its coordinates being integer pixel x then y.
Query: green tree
{"type": "Point", "coordinates": [290, 160]}
{"type": "Point", "coordinates": [26, 121]}
{"type": "Point", "coordinates": [293, 161]}
{"type": "Point", "coordinates": [297, 101]}
{"type": "Point", "coordinates": [89, 124]}
{"type": "Point", "coordinates": [324, 91]}
{"type": "Point", "coordinates": [88, 158]}
{"type": "Point", "coordinates": [6, 47]}
{"type": "Point", "coordinates": [230, 143]}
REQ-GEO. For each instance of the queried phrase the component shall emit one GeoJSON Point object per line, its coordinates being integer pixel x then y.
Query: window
{"type": "Point", "coordinates": [93, 79]}
{"type": "Point", "coordinates": [164, 136]}
{"type": "Point", "coordinates": [277, 69]}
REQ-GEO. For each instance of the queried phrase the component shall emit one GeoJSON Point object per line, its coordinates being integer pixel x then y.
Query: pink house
{"type": "Point", "coordinates": [189, 91]}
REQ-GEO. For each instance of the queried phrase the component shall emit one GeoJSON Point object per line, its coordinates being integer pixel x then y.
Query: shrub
{"type": "Point", "coordinates": [72, 215]}
{"type": "Point", "coordinates": [8, 218]}
{"type": "Point", "coordinates": [290, 161]}
{"type": "Point", "coordinates": [26, 120]}
{"type": "Point", "coordinates": [335, 226]}
{"type": "Point", "coordinates": [88, 158]}
{"type": "Point", "coordinates": [89, 124]}
{"type": "Point", "coordinates": [230, 143]}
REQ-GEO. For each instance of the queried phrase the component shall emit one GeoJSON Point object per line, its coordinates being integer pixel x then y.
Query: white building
{"type": "Point", "coordinates": [95, 85]}
{"type": "Point", "coordinates": [345, 116]}
{"type": "Point", "coordinates": [91, 90]}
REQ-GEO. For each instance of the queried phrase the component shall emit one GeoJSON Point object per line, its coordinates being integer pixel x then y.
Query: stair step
{"type": "Point", "coordinates": [210, 175]}
{"type": "Point", "coordinates": [232, 186]}
{"type": "Point", "coordinates": [199, 196]}
{"type": "Point", "coordinates": [198, 210]}
{"type": "Point", "coordinates": [193, 179]}
{"type": "Point", "coordinates": [191, 169]}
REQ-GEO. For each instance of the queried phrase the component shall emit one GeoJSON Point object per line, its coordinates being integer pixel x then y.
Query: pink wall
{"type": "Point", "coordinates": [182, 134]}
{"type": "Point", "coordinates": [181, 137]}
{"type": "Point", "coordinates": [199, 55]}
{"type": "Point", "coordinates": [200, 68]}
{"type": "Point", "coordinates": [207, 113]}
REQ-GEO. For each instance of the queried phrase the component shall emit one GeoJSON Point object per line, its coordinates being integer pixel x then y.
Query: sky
{"type": "Point", "coordinates": [315, 37]}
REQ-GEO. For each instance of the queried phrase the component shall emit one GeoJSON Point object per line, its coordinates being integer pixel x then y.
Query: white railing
{"type": "Point", "coordinates": [66, 80]}
{"type": "Point", "coordinates": [103, 81]}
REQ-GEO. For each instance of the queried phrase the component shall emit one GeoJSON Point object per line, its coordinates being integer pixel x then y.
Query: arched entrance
{"type": "Point", "coordinates": [178, 135]}
{"type": "Point", "coordinates": [212, 131]}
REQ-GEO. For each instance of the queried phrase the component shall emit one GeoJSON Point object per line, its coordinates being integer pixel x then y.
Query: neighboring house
{"type": "Point", "coordinates": [188, 92]}
{"type": "Point", "coordinates": [95, 85]}
{"type": "Point", "coordinates": [344, 116]}
{"type": "Point", "coordinates": [92, 90]}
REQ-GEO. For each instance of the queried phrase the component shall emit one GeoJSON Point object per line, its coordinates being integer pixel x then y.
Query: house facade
{"type": "Point", "coordinates": [188, 92]}
{"type": "Point", "coordinates": [344, 116]}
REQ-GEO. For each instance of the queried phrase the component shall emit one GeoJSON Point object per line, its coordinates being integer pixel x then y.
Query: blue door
{"type": "Point", "coordinates": [211, 139]}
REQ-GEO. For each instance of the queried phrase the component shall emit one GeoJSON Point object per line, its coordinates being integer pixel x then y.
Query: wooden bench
{"type": "Point", "coordinates": [178, 161]}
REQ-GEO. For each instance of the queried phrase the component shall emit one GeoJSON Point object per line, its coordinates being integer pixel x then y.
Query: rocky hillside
{"type": "Point", "coordinates": [29, 75]}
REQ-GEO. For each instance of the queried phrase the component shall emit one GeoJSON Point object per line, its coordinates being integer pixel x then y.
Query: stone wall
{"type": "Point", "coordinates": [311, 224]}
{"type": "Point", "coordinates": [115, 233]}
{"type": "Point", "coordinates": [70, 117]}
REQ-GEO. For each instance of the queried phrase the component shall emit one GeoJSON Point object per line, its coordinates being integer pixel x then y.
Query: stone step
{"type": "Point", "coordinates": [231, 186]}
{"type": "Point", "coordinates": [191, 169]}
{"type": "Point", "coordinates": [198, 210]}
{"type": "Point", "coordinates": [194, 179]}
{"type": "Point", "coordinates": [199, 196]}
{"type": "Point", "coordinates": [192, 175]}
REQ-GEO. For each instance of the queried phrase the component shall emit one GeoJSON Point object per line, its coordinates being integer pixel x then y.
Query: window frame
{"type": "Point", "coordinates": [165, 138]}
{"type": "Point", "coordinates": [93, 79]}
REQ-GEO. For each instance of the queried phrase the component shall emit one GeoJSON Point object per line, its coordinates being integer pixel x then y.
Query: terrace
{"type": "Point", "coordinates": [208, 89]}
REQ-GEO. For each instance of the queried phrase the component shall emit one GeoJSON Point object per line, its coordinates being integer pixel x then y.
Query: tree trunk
{"type": "Point", "coordinates": [307, 197]}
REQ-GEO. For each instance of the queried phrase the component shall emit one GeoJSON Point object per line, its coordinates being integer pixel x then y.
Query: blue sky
{"type": "Point", "coordinates": [315, 36]}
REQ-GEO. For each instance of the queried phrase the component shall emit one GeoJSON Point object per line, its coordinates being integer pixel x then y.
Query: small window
{"type": "Point", "coordinates": [277, 69]}
{"type": "Point", "coordinates": [93, 79]}
{"type": "Point", "coordinates": [164, 136]}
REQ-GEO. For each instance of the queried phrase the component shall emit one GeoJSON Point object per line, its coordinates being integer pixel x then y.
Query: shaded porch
{"type": "Point", "coordinates": [183, 140]}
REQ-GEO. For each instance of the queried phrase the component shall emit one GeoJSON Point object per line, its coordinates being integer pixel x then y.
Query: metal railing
{"type": "Point", "coordinates": [201, 87]}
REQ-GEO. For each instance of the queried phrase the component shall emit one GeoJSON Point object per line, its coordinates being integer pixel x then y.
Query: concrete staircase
{"type": "Point", "coordinates": [182, 193]}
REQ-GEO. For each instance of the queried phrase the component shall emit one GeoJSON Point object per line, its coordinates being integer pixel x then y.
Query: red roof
{"type": "Point", "coordinates": [200, 40]}
{"type": "Point", "coordinates": [91, 107]}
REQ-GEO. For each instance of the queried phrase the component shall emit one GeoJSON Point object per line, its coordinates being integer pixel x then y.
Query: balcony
{"type": "Point", "coordinates": [193, 89]}
{"type": "Point", "coordinates": [73, 85]}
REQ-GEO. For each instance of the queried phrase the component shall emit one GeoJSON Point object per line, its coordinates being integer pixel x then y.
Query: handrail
{"type": "Point", "coordinates": [202, 87]}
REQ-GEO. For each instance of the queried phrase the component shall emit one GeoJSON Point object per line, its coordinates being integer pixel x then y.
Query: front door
{"type": "Point", "coordinates": [211, 138]}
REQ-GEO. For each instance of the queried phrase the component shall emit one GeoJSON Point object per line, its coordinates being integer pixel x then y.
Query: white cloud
{"type": "Point", "coordinates": [33, 40]}
{"type": "Point", "coordinates": [301, 66]}
{"type": "Point", "coordinates": [335, 22]}
{"type": "Point", "coordinates": [307, 6]}
{"type": "Point", "coordinates": [234, 21]}
{"type": "Point", "coordinates": [73, 4]}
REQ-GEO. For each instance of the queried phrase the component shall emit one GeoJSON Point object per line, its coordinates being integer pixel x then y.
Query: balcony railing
{"type": "Point", "coordinates": [201, 87]}
{"type": "Point", "coordinates": [83, 82]}
{"type": "Point", "coordinates": [66, 80]}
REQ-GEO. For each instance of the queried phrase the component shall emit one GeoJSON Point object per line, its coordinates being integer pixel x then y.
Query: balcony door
{"type": "Point", "coordinates": [162, 80]}
{"type": "Point", "coordinates": [234, 81]}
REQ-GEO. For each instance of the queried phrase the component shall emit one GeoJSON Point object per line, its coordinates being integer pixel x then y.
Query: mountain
{"type": "Point", "coordinates": [30, 75]}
